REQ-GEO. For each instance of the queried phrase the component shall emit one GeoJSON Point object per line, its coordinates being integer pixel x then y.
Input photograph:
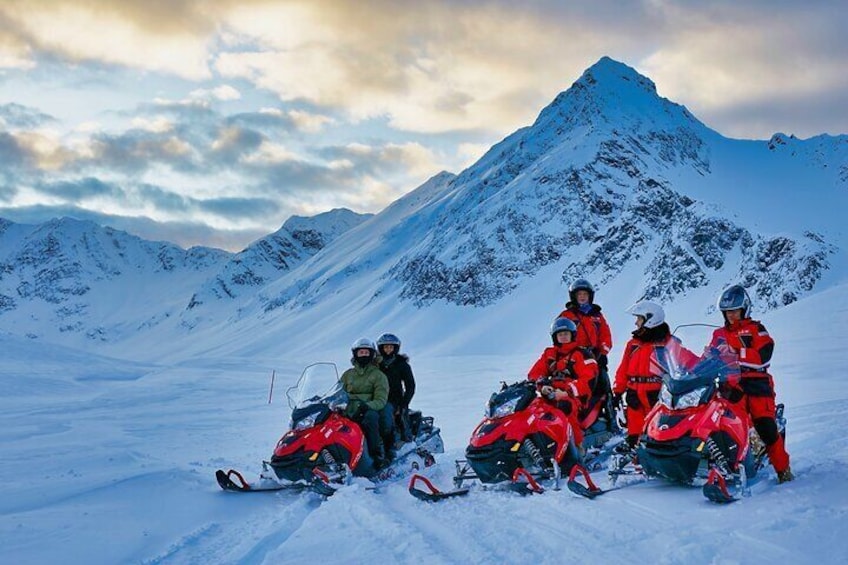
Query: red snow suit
{"type": "Point", "coordinates": [579, 371]}
{"type": "Point", "coordinates": [750, 340]}
{"type": "Point", "coordinates": [639, 375]}
{"type": "Point", "coordinates": [593, 331]}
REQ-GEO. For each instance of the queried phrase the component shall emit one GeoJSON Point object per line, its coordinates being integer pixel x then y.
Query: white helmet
{"type": "Point", "coordinates": [363, 343]}
{"type": "Point", "coordinates": [652, 312]}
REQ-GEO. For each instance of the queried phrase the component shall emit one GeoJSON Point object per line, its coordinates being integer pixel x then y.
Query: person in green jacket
{"type": "Point", "coordinates": [368, 389]}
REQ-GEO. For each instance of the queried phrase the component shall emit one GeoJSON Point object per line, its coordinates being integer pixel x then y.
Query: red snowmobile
{"type": "Point", "coordinates": [324, 449]}
{"type": "Point", "coordinates": [696, 435]}
{"type": "Point", "coordinates": [523, 439]}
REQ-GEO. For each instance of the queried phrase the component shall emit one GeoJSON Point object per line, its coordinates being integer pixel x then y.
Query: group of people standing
{"type": "Point", "coordinates": [582, 340]}
{"type": "Point", "coordinates": [381, 384]}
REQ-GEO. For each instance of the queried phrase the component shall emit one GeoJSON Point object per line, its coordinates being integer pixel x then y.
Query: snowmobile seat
{"type": "Point", "coordinates": [415, 422]}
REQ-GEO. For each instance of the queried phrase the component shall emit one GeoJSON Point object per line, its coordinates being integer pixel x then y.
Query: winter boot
{"type": "Point", "coordinates": [389, 446]}
{"type": "Point", "coordinates": [785, 476]}
{"type": "Point", "coordinates": [758, 447]}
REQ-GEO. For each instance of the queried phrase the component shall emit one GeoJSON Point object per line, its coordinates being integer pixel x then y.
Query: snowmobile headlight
{"type": "Point", "coordinates": [690, 399]}
{"type": "Point", "coordinates": [504, 409]}
{"type": "Point", "coordinates": [306, 422]}
{"type": "Point", "coordinates": [665, 396]}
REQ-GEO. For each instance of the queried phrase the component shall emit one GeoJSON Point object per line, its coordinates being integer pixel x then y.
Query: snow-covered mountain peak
{"type": "Point", "coordinates": [612, 75]}
{"type": "Point", "coordinates": [328, 224]}
{"type": "Point", "coordinates": [611, 94]}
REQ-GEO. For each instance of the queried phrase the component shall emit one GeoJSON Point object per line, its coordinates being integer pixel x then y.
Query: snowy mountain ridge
{"type": "Point", "coordinates": [68, 277]}
{"type": "Point", "coordinates": [611, 182]}
{"type": "Point", "coordinates": [267, 258]}
{"type": "Point", "coordinates": [75, 276]}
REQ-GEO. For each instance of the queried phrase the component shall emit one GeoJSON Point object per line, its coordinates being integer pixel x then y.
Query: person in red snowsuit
{"type": "Point", "coordinates": [574, 370]}
{"type": "Point", "coordinates": [593, 331]}
{"type": "Point", "coordinates": [646, 359]}
{"type": "Point", "coordinates": [753, 345]}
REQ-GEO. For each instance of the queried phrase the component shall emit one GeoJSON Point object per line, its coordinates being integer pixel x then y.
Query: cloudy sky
{"type": "Point", "coordinates": [212, 121]}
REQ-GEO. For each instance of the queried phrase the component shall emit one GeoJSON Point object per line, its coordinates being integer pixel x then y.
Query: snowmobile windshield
{"type": "Point", "coordinates": [319, 383]}
{"type": "Point", "coordinates": [510, 399]}
{"type": "Point", "coordinates": [693, 368]}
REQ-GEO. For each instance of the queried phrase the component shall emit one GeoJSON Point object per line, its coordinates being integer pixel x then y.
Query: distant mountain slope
{"type": "Point", "coordinates": [267, 258]}
{"type": "Point", "coordinates": [69, 276]}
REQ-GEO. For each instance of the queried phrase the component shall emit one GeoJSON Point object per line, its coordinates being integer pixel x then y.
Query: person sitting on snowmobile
{"type": "Point", "coordinates": [368, 389]}
{"type": "Point", "coordinates": [573, 368]}
{"type": "Point", "coordinates": [593, 331]}
{"type": "Point", "coordinates": [395, 365]}
{"type": "Point", "coordinates": [750, 340]}
{"type": "Point", "coordinates": [645, 361]}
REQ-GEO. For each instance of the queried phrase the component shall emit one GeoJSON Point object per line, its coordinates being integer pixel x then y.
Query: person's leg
{"type": "Point", "coordinates": [387, 428]}
{"type": "Point", "coordinates": [762, 410]}
{"type": "Point", "coordinates": [635, 416]}
{"type": "Point", "coordinates": [405, 425]}
{"type": "Point", "coordinates": [370, 425]}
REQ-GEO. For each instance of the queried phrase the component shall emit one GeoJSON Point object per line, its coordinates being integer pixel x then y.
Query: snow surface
{"type": "Point", "coordinates": [112, 461]}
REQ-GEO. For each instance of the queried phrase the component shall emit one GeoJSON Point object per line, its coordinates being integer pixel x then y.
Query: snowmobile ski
{"type": "Point", "coordinates": [528, 486]}
{"type": "Point", "coordinates": [226, 482]}
{"type": "Point", "coordinates": [589, 490]}
{"type": "Point", "coordinates": [434, 494]}
{"type": "Point", "coordinates": [715, 489]}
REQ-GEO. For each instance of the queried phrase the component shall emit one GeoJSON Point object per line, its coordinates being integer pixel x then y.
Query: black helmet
{"type": "Point", "coordinates": [562, 325]}
{"type": "Point", "coordinates": [388, 339]}
{"type": "Point", "coordinates": [581, 284]}
{"type": "Point", "coordinates": [734, 298]}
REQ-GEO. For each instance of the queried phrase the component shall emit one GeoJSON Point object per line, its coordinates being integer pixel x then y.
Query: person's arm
{"type": "Point", "coordinates": [756, 350]}
{"type": "Point", "coordinates": [605, 337]}
{"type": "Point", "coordinates": [381, 391]}
{"type": "Point", "coordinates": [585, 371]}
{"type": "Point", "coordinates": [539, 368]}
{"type": "Point", "coordinates": [408, 385]}
{"type": "Point", "coordinates": [621, 373]}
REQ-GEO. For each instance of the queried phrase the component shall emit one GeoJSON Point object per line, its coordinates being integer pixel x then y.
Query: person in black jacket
{"type": "Point", "coordinates": [401, 383]}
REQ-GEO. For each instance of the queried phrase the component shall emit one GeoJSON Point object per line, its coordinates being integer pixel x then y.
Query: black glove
{"type": "Point", "coordinates": [731, 393]}
{"type": "Point", "coordinates": [361, 411]}
{"type": "Point", "coordinates": [603, 363]}
{"type": "Point", "coordinates": [356, 409]}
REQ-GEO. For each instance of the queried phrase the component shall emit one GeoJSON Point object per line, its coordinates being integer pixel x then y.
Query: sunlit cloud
{"type": "Point", "coordinates": [237, 113]}
{"type": "Point", "coordinates": [158, 124]}
{"type": "Point", "coordinates": [269, 153]}
{"type": "Point", "coordinates": [94, 31]}
{"type": "Point", "coordinates": [223, 93]}
{"type": "Point", "coordinates": [307, 121]}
